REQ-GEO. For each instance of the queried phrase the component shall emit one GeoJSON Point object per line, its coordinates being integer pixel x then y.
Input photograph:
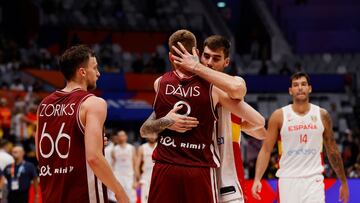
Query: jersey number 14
{"type": "Point", "coordinates": [303, 138]}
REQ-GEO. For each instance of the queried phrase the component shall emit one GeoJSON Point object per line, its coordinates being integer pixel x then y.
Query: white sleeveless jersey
{"type": "Point", "coordinates": [228, 180]}
{"type": "Point", "coordinates": [148, 163]}
{"type": "Point", "coordinates": [300, 143]}
{"type": "Point", "coordinates": [124, 160]}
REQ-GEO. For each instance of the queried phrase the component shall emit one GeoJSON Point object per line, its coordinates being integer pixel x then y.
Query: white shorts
{"type": "Point", "coordinates": [302, 190]}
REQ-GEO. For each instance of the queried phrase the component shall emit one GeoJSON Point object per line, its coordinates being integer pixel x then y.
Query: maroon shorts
{"type": "Point", "coordinates": [182, 184]}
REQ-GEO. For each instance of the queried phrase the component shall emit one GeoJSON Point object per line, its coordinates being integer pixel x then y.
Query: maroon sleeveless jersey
{"type": "Point", "coordinates": [65, 175]}
{"type": "Point", "coordinates": [196, 147]}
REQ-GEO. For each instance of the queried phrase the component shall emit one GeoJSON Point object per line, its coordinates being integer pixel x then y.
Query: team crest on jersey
{"type": "Point", "coordinates": [313, 118]}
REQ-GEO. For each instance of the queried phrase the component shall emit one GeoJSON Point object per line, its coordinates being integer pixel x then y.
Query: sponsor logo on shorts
{"type": "Point", "coordinates": [301, 152]}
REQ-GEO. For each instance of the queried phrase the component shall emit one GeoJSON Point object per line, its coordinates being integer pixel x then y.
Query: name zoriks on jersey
{"type": "Point", "coordinates": [57, 110]}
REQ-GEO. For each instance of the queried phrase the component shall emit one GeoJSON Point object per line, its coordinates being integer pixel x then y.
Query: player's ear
{"type": "Point", "coordinates": [290, 92]}
{"type": "Point", "coordinates": [82, 71]}
{"type": "Point", "coordinates": [227, 62]}
{"type": "Point", "coordinates": [171, 57]}
{"type": "Point", "coordinates": [310, 88]}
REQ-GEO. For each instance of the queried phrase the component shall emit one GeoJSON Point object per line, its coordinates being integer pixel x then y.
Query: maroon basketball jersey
{"type": "Point", "coordinates": [196, 147]}
{"type": "Point", "coordinates": [65, 175]}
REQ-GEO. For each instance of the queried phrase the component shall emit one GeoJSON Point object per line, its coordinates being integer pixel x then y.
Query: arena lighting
{"type": "Point", "coordinates": [221, 4]}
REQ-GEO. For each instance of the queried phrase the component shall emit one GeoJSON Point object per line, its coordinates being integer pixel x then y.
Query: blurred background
{"type": "Point", "coordinates": [271, 39]}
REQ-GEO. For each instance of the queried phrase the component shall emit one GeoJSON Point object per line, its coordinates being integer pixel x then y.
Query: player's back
{"type": "Point", "coordinates": [196, 147]}
{"type": "Point", "coordinates": [300, 143]}
{"type": "Point", "coordinates": [65, 175]}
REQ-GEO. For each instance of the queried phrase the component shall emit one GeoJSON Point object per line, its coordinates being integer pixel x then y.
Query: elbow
{"type": "Point", "coordinates": [92, 159]}
{"type": "Point", "coordinates": [237, 91]}
{"type": "Point", "coordinates": [143, 132]}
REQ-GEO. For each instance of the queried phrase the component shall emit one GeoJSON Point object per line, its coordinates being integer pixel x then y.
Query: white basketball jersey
{"type": "Point", "coordinates": [124, 160]}
{"type": "Point", "coordinates": [301, 143]}
{"type": "Point", "coordinates": [228, 132]}
{"type": "Point", "coordinates": [148, 163]}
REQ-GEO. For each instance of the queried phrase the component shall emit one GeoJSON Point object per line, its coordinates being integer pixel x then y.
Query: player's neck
{"type": "Point", "coordinates": [301, 108]}
{"type": "Point", "coordinates": [152, 144]}
{"type": "Point", "coordinates": [183, 74]}
{"type": "Point", "coordinates": [71, 85]}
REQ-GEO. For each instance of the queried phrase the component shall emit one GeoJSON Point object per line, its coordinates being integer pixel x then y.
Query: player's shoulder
{"type": "Point", "coordinates": [277, 113]}
{"type": "Point", "coordinates": [94, 101]}
{"type": "Point", "coordinates": [156, 83]}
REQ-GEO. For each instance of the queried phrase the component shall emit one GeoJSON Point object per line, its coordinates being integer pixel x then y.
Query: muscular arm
{"type": "Point", "coordinates": [268, 144]}
{"type": "Point", "coordinates": [239, 108]}
{"type": "Point", "coordinates": [136, 169]}
{"type": "Point", "coordinates": [253, 122]}
{"type": "Point", "coordinates": [333, 154]}
{"type": "Point", "coordinates": [234, 86]}
{"type": "Point", "coordinates": [93, 114]}
{"type": "Point", "coordinates": [139, 160]}
{"type": "Point", "coordinates": [153, 125]}
{"type": "Point", "coordinates": [331, 147]}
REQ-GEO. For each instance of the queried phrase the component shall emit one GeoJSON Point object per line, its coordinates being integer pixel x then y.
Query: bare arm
{"type": "Point", "coordinates": [93, 114]}
{"type": "Point", "coordinates": [333, 154]}
{"type": "Point", "coordinates": [35, 183]}
{"type": "Point", "coordinates": [153, 125]}
{"type": "Point", "coordinates": [136, 169]}
{"type": "Point", "coordinates": [263, 157]}
{"type": "Point", "coordinates": [139, 160]}
{"type": "Point", "coordinates": [234, 86]}
{"type": "Point", "coordinates": [238, 107]}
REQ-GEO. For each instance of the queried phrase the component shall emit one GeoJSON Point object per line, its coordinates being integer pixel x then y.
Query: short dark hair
{"type": "Point", "coordinates": [215, 42]}
{"type": "Point", "coordinates": [298, 75]}
{"type": "Point", "coordinates": [72, 58]}
{"type": "Point", "coordinates": [187, 39]}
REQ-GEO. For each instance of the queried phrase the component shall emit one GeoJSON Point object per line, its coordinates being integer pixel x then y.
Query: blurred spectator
{"type": "Point", "coordinates": [138, 64]}
{"type": "Point", "coordinates": [334, 116]}
{"type": "Point", "coordinates": [264, 70]}
{"type": "Point", "coordinates": [285, 70]}
{"type": "Point", "coordinates": [19, 125]}
{"type": "Point", "coordinates": [20, 175]}
{"type": "Point", "coordinates": [5, 118]}
{"type": "Point", "coordinates": [17, 85]}
{"type": "Point", "coordinates": [5, 157]}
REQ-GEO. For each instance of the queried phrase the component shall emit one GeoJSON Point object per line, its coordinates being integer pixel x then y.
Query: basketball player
{"type": "Point", "coordinates": [230, 174]}
{"type": "Point", "coordinates": [188, 158]}
{"type": "Point", "coordinates": [300, 128]}
{"type": "Point", "coordinates": [124, 156]}
{"type": "Point", "coordinates": [231, 180]}
{"type": "Point", "coordinates": [69, 140]}
{"type": "Point", "coordinates": [145, 165]}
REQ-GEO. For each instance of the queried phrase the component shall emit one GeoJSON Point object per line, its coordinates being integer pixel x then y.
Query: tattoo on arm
{"type": "Point", "coordinates": [153, 125]}
{"type": "Point", "coordinates": [332, 150]}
